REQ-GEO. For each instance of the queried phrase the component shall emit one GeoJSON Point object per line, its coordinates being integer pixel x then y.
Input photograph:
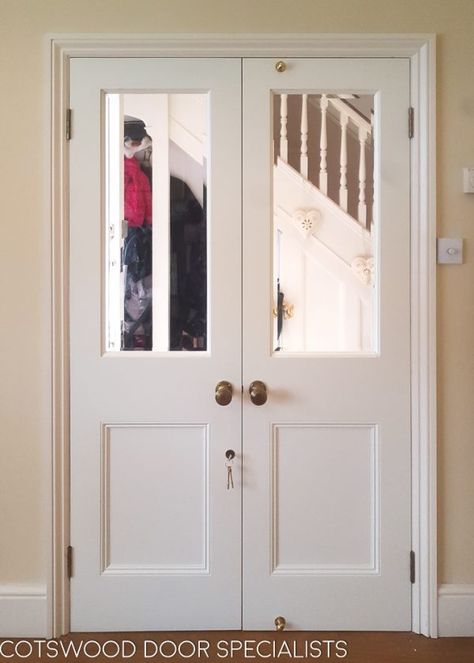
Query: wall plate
{"type": "Point", "coordinates": [468, 179]}
{"type": "Point", "coordinates": [449, 251]}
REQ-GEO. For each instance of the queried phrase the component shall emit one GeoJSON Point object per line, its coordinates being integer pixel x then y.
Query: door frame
{"type": "Point", "coordinates": [420, 49]}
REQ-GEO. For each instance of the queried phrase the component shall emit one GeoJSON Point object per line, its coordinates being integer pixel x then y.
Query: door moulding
{"type": "Point", "coordinates": [420, 50]}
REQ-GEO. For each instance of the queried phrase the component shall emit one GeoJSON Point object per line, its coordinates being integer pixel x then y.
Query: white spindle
{"type": "Point", "coordinates": [362, 208]}
{"type": "Point", "coordinates": [323, 147]}
{"type": "Point", "coordinates": [283, 127]}
{"type": "Point", "coordinates": [304, 136]}
{"type": "Point", "coordinates": [343, 163]}
{"type": "Point", "coordinates": [370, 219]}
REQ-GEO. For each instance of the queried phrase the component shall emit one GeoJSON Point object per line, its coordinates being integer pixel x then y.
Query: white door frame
{"type": "Point", "coordinates": [420, 49]}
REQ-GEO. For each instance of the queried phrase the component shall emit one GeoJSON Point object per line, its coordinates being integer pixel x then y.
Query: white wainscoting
{"type": "Point", "coordinates": [456, 610]}
{"type": "Point", "coordinates": [23, 611]}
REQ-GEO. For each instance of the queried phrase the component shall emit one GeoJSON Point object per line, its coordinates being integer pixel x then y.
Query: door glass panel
{"type": "Point", "coordinates": [324, 223]}
{"type": "Point", "coordinates": [156, 230]}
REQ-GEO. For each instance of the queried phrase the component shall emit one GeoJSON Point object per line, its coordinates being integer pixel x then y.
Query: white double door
{"type": "Point", "coordinates": [317, 526]}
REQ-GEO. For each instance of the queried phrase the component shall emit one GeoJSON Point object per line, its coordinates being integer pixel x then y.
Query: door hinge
{"type": "Point", "coordinates": [69, 560]}
{"type": "Point", "coordinates": [412, 567]}
{"type": "Point", "coordinates": [68, 123]}
{"type": "Point", "coordinates": [411, 122]}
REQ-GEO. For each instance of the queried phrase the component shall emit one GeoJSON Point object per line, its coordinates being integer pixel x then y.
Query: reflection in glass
{"type": "Point", "coordinates": [155, 171]}
{"type": "Point", "coordinates": [324, 226]}
{"type": "Point", "coordinates": [188, 268]}
{"type": "Point", "coordinates": [137, 241]}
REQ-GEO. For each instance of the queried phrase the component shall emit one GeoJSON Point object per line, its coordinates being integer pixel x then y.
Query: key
{"type": "Point", "coordinates": [230, 479]}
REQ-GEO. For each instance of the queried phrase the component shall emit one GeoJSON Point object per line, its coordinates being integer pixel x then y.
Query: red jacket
{"type": "Point", "coordinates": [137, 194]}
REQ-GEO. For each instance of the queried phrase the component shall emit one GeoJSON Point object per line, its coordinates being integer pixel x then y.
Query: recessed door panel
{"type": "Point", "coordinates": [160, 523]}
{"type": "Point", "coordinates": [329, 475]}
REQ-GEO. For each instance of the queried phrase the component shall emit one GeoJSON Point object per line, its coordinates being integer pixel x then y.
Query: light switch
{"type": "Point", "coordinates": [449, 251]}
{"type": "Point", "coordinates": [468, 179]}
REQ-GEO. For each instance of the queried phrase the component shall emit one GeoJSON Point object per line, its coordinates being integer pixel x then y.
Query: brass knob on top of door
{"type": "Point", "coordinates": [258, 392]}
{"type": "Point", "coordinates": [280, 623]}
{"type": "Point", "coordinates": [223, 392]}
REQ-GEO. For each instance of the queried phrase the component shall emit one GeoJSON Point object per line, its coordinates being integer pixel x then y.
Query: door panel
{"type": "Point", "coordinates": [149, 497]}
{"type": "Point", "coordinates": [326, 517]}
{"type": "Point", "coordinates": [341, 538]}
{"type": "Point", "coordinates": [165, 492]}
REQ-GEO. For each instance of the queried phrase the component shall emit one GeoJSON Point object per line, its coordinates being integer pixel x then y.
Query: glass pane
{"type": "Point", "coordinates": [324, 272]}
{"type": "Point", "coordinates": [156, 173]}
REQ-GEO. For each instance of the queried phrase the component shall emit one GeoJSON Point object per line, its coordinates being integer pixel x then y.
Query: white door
{"type": "Point", "coordinates": [326, 515]}
{"type": "Point", "coordinates": [156, 525]}
{"type": "Point", "coordinates": [155, 531]}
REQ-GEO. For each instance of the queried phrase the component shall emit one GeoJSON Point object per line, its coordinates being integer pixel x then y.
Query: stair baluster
{"type": "Point", "coordinates": [362, 207]}
{"type": "Point", "coordinates": [323, 147]}
{"type": "Point", "coordinates": [343, 163]}
{"type": "Point", "coordinates": [304, 136]}
{"type": "Point", "coordinates": [283, 127]}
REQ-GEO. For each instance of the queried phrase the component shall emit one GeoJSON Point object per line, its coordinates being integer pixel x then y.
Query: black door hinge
{"type": "Point", "coordinates": [412, 567]}
{"type": "Point", "coordinates": [411, 122]}
{"type": "Point", "coordinates": [68, 123]}
{"type": "Point", "coordinates": [69, 560]}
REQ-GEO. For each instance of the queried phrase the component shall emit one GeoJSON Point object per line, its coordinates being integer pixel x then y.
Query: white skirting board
{"type": "Point", "coordinates": [456, 610]}
{"type": "Point", "coordinates": [23, 611]}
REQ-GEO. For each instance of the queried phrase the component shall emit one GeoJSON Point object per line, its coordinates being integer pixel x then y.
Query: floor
{"type": "Point", "coordinates": [215, 646]}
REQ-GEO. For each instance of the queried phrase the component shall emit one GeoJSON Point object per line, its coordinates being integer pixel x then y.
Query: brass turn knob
{"type": "Point", "coordinates": [280, 66]}
{"type": "Point", "coordinates": [258, 392]}
{"type": "Point", "coordinates": [280, 623]}
{"type": "Point", "coordinates": [223, 392]}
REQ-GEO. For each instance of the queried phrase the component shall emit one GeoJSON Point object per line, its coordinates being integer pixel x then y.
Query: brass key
{"type": "Point", "coordinates": [230, 455]}
{"type": "Point", "coordinates": [230, 480]}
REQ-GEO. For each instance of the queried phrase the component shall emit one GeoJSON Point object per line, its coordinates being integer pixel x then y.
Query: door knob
{"type": "Point", "coordinates": [258, 392]}
{"type": "Point", "coordinates": [223, 392]}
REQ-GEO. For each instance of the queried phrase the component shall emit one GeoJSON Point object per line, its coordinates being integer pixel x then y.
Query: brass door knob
{"type": "Point", "coordinates": [280, 623]}
{"type": "Point", "coordinates": [223, 392]}
{"type": "Point", "coordinates": [258, 392]}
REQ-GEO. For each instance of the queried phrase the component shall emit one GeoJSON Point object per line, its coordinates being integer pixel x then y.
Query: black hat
{"type": "Point", "coordinates": [134, 128]}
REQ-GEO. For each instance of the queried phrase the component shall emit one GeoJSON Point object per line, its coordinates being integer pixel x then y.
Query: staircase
{"type": "Point", "coordinates": [323, 223]}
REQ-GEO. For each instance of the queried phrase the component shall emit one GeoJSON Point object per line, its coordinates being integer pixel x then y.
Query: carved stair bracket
{"type": "Point", "coordinates": [363, 268]}
{"type": "Point", "coordinates": [306, 220]}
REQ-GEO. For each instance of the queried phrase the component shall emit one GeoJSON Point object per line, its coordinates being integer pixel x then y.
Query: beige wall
{"type": "Point", "coordinates": [24, 236]}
